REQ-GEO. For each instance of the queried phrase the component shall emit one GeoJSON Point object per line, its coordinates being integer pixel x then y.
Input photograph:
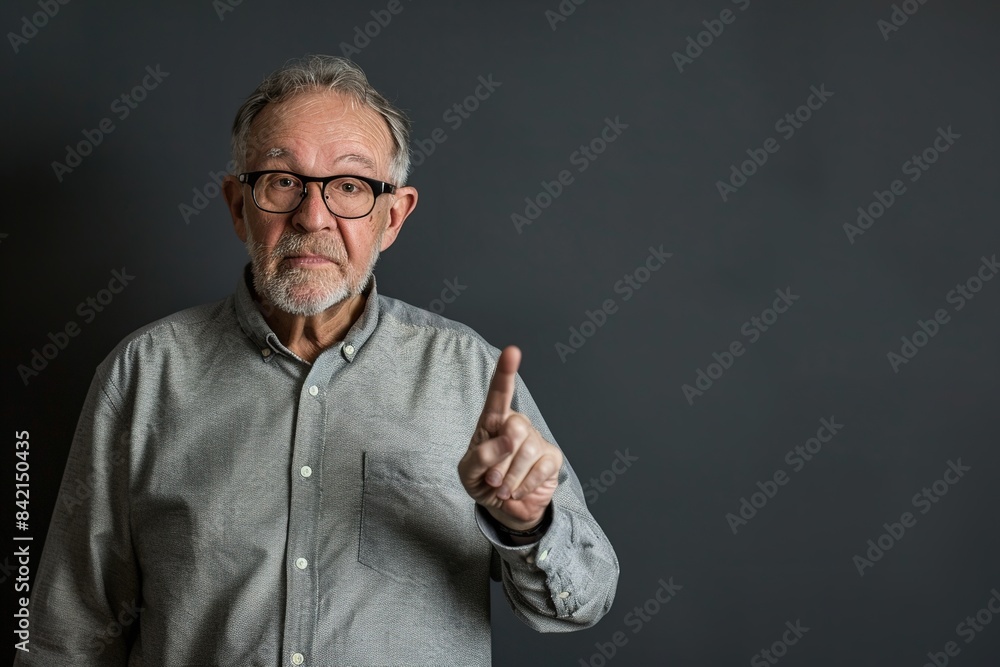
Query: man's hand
{"type": "Point", "coordinates": [509, 469]}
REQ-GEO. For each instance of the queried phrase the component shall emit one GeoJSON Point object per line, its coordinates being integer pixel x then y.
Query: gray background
{"type": "Point", "coordinates": [656, 184]}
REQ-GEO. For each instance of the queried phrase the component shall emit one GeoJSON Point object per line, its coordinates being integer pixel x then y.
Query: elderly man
{"type": "Point", "coordinates": [271, 479]}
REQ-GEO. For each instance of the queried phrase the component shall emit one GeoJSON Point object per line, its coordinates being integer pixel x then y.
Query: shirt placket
{"type": "Point", "coordinates": [302, 601]}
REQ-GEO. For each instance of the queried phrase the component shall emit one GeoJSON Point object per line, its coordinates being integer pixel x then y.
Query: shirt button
{"type": "Point", "coordinates": [313, 390]}
{"type": "Point", "coordinates": [542, 556]}
{"type": "Point", "coordinates": [302, 564]}
{"type": "Point", "coordinates": [349, 349]}
{"type": "Point", "coordinates": [564, 595]}
{"type": "Point", "coordinates": [298, 658]}
{"type": "Point", "coordinates": [306, 471]}
{"type": "Point", "coordinates": [530, 559]}
{"type": "Point", "coordinates": [266, 352]}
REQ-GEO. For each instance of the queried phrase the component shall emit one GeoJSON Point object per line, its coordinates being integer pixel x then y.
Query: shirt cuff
{"type": "Point", "coordinates": [548, 559]}
{"type": "Point", "coordinates": [497, 535]}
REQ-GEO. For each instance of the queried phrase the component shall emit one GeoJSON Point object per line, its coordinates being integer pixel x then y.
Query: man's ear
{"type": "Point", "coordinates": [405, 200]}
{"type": "Point", "coordinates": [232, 190]}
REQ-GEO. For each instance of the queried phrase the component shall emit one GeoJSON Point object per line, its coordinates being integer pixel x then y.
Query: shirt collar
{"type": "Point", "coordinates": [256, 328]}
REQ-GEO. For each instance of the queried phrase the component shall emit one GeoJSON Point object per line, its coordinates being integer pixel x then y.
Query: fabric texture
{"type": "Point", "coordinates": [227, 503]}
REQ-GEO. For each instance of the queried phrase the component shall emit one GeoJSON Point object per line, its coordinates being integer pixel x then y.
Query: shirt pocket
{"type": "Point", "coordinates": [417, 521]}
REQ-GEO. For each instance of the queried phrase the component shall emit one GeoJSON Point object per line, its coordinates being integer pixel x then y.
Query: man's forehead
{"type": "Point", "coordinates": [327, 117]}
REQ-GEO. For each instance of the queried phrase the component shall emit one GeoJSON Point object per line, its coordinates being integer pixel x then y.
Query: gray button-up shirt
{"type": "Point", "coordinates": [227, 503]}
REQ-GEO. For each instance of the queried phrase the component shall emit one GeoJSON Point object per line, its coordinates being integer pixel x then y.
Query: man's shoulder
{"type": "Point", "coordinates": [177, 330]}
{"type": "Point", "coordinates": [405, 316]}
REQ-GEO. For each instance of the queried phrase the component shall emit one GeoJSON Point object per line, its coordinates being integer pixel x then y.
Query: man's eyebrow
{"type": "Point", "coordinates": [280, 152]}
{"type": "Point", "coordinates": [355, 157]}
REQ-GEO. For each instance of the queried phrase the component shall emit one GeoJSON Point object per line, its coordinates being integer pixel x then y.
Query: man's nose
{"type": "Point", "coordinates": [312, 214]}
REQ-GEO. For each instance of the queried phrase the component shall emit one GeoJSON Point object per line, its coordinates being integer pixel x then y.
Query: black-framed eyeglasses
{"type": "Point", "coordinates": [346, 196]}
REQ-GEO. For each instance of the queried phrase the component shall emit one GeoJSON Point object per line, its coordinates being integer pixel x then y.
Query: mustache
{"type": "Point", "coordinates": [295, 244]}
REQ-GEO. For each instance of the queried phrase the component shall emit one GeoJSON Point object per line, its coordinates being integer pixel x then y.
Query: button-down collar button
{"type": "Point", "coordinates": [542, 556]}
{"type": "Point", "coordinates": [305, 471]}
{"type": "Point", "coordinates": [301, 563]}
{"type": "Point", "coordinates": [564, 595]}
{"type": "Point", "coordinates": [266, 352]}
{"type": "Point", "coordinates": [349, 349]}
{"type": "Point", "coordinates": [313, 390]}
{"type": "Point", "coordinates": [530, 559]}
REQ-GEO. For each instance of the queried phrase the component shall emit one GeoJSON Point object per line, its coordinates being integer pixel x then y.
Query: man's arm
{"type": "Point", "coordinates": [567, 579]}
{"type": "Point", "coordinates": [86, 594]}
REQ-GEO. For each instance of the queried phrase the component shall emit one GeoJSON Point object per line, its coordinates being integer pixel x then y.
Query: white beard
{"type": "Point", "coordinates": [299, 291]}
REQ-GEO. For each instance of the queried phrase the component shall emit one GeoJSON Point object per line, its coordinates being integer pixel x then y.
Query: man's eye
{"type": "Point", "coordinates": [349, 188]}
{"type": "Point", "coordinates": [285, 182]}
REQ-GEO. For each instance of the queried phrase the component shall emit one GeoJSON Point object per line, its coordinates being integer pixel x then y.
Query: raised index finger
{"type": "Point", "coordinates": [501, 391]}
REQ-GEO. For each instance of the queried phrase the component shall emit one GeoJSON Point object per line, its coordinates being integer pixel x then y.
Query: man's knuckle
{"type": "Point", "coordinates": [523, 429]}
